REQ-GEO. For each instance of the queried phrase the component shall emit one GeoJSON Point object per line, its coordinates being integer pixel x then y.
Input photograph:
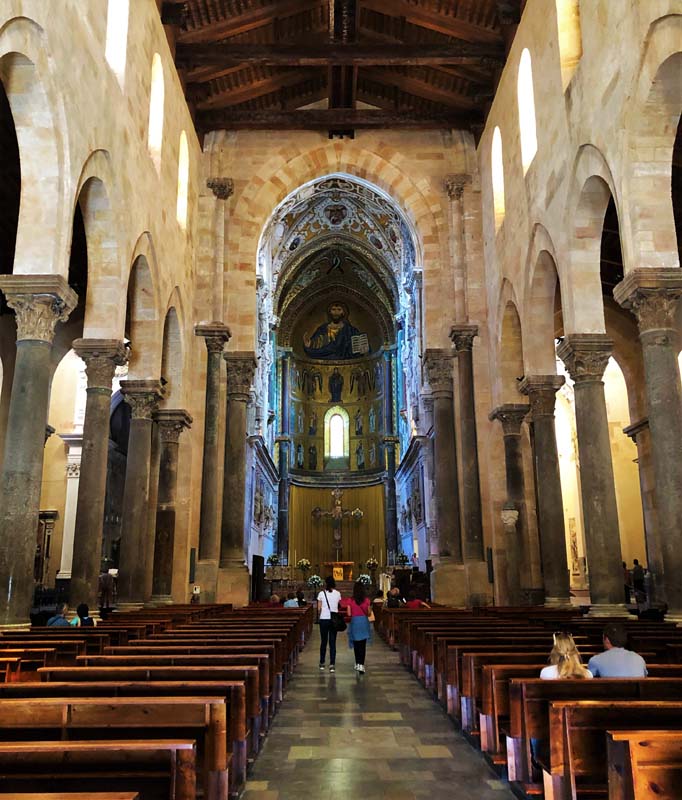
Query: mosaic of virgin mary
{"type": "Point", "coordinates": [337, 338]}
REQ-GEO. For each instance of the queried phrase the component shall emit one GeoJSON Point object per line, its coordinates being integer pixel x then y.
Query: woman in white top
{"type": "Point", "coordinates": [328, 602]}
{"type": "Point", "coordinates": [564, 660]}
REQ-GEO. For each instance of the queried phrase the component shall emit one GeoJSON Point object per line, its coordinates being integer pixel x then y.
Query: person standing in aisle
{"type": "Point", "coordinates": [328, 604]}
{"type": "Point", "coordinates": [359, 629]}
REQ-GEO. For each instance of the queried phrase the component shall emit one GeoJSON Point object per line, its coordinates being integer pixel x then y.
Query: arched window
{"type": "Point", "coordinates": [570, 38]}
{"type": "Point", "coordinates": [336, 436]}
{"type": "Point", "coordinates": [497, 169]}
{"type": "Point", "coordinates": [183, 181]}
{"type": "Point", "coordinates": [117, 38]}
{"type": "Point", "coordinates": [155, 136]}
{"type": "Point", "coordinates": [526, 99]}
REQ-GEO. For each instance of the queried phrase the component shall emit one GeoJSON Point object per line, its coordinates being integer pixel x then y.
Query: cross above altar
{"type": "Point", "coordinates": [337, 513]}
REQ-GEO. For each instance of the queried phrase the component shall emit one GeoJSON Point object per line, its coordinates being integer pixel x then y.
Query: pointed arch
{"type": "Point", "coordinates": [142, 310]}
{"type": "Point", "coordinates": [509, 346]}
{"type": "Point", "coordinates": [542, 303]}
{"type": "Point", "coordinates": [172, 352]}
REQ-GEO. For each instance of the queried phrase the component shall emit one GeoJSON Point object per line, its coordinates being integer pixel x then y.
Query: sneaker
{"type": "Point", "coordinates": [321, 667]}
{"type": "Point", "coordinates": [361, 668]}
{"type": "Point", "coordinates": [356, 667]}
{"type": "Point", "coordinates": [332, 668]}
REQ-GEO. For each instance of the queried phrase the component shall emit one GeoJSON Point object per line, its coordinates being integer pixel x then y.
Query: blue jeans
{"type": "Point", "coordinates": [327, 634]}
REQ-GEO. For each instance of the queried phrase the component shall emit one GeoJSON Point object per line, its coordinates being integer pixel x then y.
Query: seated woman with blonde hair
{"type": "Point", "coordinates": [564, 660]}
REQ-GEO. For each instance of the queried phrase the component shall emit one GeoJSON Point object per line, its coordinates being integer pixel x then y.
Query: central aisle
{"type": "Point", "coordinates": [378, 736]}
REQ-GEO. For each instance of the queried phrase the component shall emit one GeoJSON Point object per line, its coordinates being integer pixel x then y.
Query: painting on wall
{"type": "Point", "coordinates": [336, 338]}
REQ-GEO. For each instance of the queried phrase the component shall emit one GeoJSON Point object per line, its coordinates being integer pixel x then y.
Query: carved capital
{"type": "Point", "coordinates": [511, 415]}
{"type": "Point", "coordinates": [40, 302]}
{"type": "Point", "coordinates": [585, 356]}
{"type": "Point", "coordinates": [172, 422]}
{"type": "Point", "coordinates": [241, 368]}
{"type": "Point", "coordinates": [541, 391]}
{"type": "Point", "coordinates": [454, 185]}
{"type": "Point", "coordinates": [142, 397]}
{"type": "Point", "coordinates": [652, 294]}
{"type": "Point", "coordinates": [462, 336]}
{"type": "Point", "coordinates": [438, 366]}
{"type": "Point", "coordinates": [510, 517]}
{"type": "Point", "coordinates": [73, 470]}
{"type": "Point", "coordinates": [222, 188]}
{"type": "Point", "coordinates": [216, 335]}
{"type": "Point", "coordinates": [101, 357]}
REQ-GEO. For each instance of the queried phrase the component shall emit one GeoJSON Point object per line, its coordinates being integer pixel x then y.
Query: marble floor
{"type": "Point", "coordinates": [373, 737]}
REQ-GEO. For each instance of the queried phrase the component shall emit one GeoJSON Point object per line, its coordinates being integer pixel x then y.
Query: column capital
{"type": "Point", "coordinates": [511, 415]}
{"type": "Point", "coordinates": [633, 431]}
{"type": "Point", "coordinates": [142, 397]}
{"type": "Point", "coordinates": [541, 391]}
{"type": "Point", "coordinates": [462, 336]}
{"type": "Point", "coordinates": [222, 188]}
{"type": "Point", "coordinates": [438, 366]}
{"type": "Point", "coordinates": [172, 422]}
{"type": "Point", "coordinates": [652, 294]}
{"type": "Point", "coordinates": [101, 357]}
{"type": "Point", "coordinates": [40, 302]}
{"type": "Point", "coordinates": [454, 185]}
{"type": "Point", "coordinates": [241, 368]}
{"type": "Point", "coordinates": [216, 335]}
{"type": "Point", "coordinates": [585, 355]}
{"type": "Point", "coordinates": [510, 516]}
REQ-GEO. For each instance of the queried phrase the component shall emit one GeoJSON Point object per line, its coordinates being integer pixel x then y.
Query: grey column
{"type": "Point", "coordinates": [284, 443]}
{"type": "Point", "coordinates": [391, 442]}
{"type": "Point", "coordinates": [143, 398]}
{"type": "Point", "coordinates": [171, 423]}
{"type": "Point", "coordinates": [463, 338]}
{"type": "Point", "coordinates": [241, 367]}
{"type": "Point", "coordinates": [101, 357]}
{"type": "Point", "coordinates": [541, 391]}
{"type": "Point", "coordinates": [40, 302]}
{"type": "Point", "coordinates": [215, 335]}
{"type": "Point", "coordinates": [438, 366]}
{"type": "Point", "coordinates": [586, 356]}
{"type": "Point", "coordinates": [653, 295]}
{"type": "Point", "coordinates": [511, 416]}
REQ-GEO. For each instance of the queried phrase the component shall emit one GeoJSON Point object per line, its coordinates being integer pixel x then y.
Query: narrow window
{"type": "Point", "coordinates": [155, 136]}
{"type": "Point", "coordinates": [497, 168]}
{"type": "Point", "coordinates": [336, 436]}
{"type": "Point", "coordinates": [117, 38]}
{"type": "Point", "coordinates": [183, 181]}
{"type": "Point", "coordinates": [570, 38]}
{"type": "Point", "coordinates": [526, 98]}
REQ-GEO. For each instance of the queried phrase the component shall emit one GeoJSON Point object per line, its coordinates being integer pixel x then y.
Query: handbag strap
{"type": "Point", "coordinates": [327, 599]}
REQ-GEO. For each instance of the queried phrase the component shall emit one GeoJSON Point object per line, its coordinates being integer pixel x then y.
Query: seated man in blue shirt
{"type": "Point", "coordinates": [616, 661]}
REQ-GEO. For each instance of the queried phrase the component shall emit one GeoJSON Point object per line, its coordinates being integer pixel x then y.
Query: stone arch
{"type": "Point", "coordinates": [172, 353]}
{"type": "Point", "coordinates": [43, 224]}
{"type": "Point", "coordinates": [510, 346]}
{"type": "Point", "coordinates": [142, 316]}
{"type": "Point", "coordinates": [652, 121]}
{"type": "Point", "coordinates": [541, 316]}
{"type": "Point", "coordinates": [592, 188]}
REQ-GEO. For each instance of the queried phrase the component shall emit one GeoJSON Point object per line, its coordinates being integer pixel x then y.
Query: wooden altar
{"type": "Point", "coordinates": [340, 570]}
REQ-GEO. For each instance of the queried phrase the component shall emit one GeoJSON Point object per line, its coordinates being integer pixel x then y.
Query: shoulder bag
{"type": "Point", "coordinates": [338, 622]}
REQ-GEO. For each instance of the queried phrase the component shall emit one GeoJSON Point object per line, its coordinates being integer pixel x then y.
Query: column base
{"type": "Point", "coordinates": [608, 610]}
{"type": "Point", "coordinates": [12, 627]}
{"type": "Point", "coordinates": [558, 602]}
{"type": "Point", "coordinates": [129, 606]}
{"type": "Point", "coordinates": [461, 585]}
{"type": "Point", "coordinates": [479, 588]}
{"type": "Point", "coordinates": [206, 578]}
{"type": "Point", "coordinates": [233, 585]}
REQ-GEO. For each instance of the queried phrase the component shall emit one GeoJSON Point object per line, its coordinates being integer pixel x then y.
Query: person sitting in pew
{"type": "Point", "coordinates": [414, 602]}
{"type": "Point", "coordinates": [616, 661]}
{"type": "Point", "coordinates": [59, 619]}
{"type": "Point", "coordinates": [291, 601]}
{"type": "Point", "coordinates": [564, 660]}
{"type": "Point", "coordinates": [83, 618]}
{"type": "Point", "coordinates": [394, 600]}
{"type": "Point", "coordinates": [300, 599]}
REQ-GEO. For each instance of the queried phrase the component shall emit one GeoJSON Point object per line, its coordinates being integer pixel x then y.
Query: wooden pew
{"type": "Point", "coordinates": [644, 764]}
{"type": "Point", "coordinates": [202, 718]}
{"type": "Point", "coordinates": [160, 767]}
{"type": "Point", "coordinates": [72, 796]}
{"type": "Point", "coordinates": [66, 649]}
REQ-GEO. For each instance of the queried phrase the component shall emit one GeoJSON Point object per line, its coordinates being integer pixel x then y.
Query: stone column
{"type": "Point", "coordinates": [284, 442]}
{"type": "Point", "coordinates": [101, 357]}
{"type": "Point", "coordinates": [223, 189]}
{"type": "Point", "coordinates": [171, 423]}
{"type": "Point", "coordinates": [390, 442]}
{"type": "Point", "coordinates": [233, 575]}
{"type": "Point", "coordinates": [510, 563]}
{"type": "Point", "coordinates": [74, 444]}
{"type": "Point", "coordinates": [541, 391]}
{"type": "Point", "coordinates": [463, 338]}
{"type": "Point", "coordinates": [586, 356]}
{"type": "Point", "coordinates": [511, 416]}
{"type": "Point", "coordinates": [653, 295]}
{"type": "Point", "coordinates": [454, 186]}
{"type": "Point", "coordinates": [215, 335]}
{"type": "Point", "coordinates": [40, 302]}
{"type": "Point", "coordinates": [143, 398]}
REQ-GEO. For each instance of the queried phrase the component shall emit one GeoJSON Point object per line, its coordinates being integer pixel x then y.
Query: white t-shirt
{"type": "Point", "coordinates": [551, 673]}
{"type": "Point", "coordinates": [325, 610]}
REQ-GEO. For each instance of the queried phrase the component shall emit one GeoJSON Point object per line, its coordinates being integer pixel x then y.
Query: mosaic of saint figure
{"type": "Point", "coordinates": [335, 386]}
{"type": "Point", "coordinates": [312, 457]}
{"type": "Point", "coordinates": [333, 339]}
{"type": "Point", "coordinates": [312, 427]}
{"type": "Point", "coordinates": [358, 423]}
{"type": "Point", "coordinates": [360, 456]}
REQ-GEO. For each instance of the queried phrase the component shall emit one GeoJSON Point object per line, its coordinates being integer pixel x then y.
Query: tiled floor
{"type": "Point", "coordinates": [372, 737]}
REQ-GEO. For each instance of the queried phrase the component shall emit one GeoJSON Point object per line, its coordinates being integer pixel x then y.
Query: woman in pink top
{"type": "Point", "coordinates": [359, 630]}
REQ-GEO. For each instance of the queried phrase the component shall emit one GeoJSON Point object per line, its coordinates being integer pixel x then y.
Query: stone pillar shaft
{"type": "Point", "coordinates": [391, 441]}
{"type": "Point", "coordinates": [541, 391]}
{"type": "Point", "coordinates": [454, 186]}
{"type": "Point", "coordinates": [222, 188]}
{"type": "Point", "coordinates": [101, 359]}
{"type": "Point", "coordinates": [463, 338]}
{"type": "Point", "coordinates": [586, 357]}
{"type": "Point", "coordinates": [653, 296]}
{"type": "Point", "coordinates": [142, 397]}
{"type": "Point", "coordinates": [215, 335]}
{"type": "Point", "coordinates": [284, 455]}
{"type": "Point", "coordinates": [40, 301]}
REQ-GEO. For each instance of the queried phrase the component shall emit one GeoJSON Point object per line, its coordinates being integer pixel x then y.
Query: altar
{"type": "Point", "coordinates": [341, 570]}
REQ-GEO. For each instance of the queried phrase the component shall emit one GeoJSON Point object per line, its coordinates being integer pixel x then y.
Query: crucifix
{"type": "Point", "coordinates": [337, 514]}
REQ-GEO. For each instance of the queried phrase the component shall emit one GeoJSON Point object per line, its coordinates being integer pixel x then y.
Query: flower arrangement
{"type": "Point", "coordinates": [314, 582]}
{"type": "Point", "coordinates": [303, 564]}
{"type": "Point", "coordinates": [402, 559]}
{"type": "Point", "coordinates": [365, 579]}
{"type": "Point", "coordinates": [272, 560]}
{"type": "Point", "coordinates": [372, 563]}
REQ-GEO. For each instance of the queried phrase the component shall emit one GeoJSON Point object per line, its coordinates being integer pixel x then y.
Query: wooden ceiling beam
{"type": "Point", "coordinates": [420, 88]}
{"type": "Point", "coordinates": [325, 119]}
{"type": "Point", "coordinates": [242, 94]}
{"type": "Point", "coordinates": [225, 55]}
